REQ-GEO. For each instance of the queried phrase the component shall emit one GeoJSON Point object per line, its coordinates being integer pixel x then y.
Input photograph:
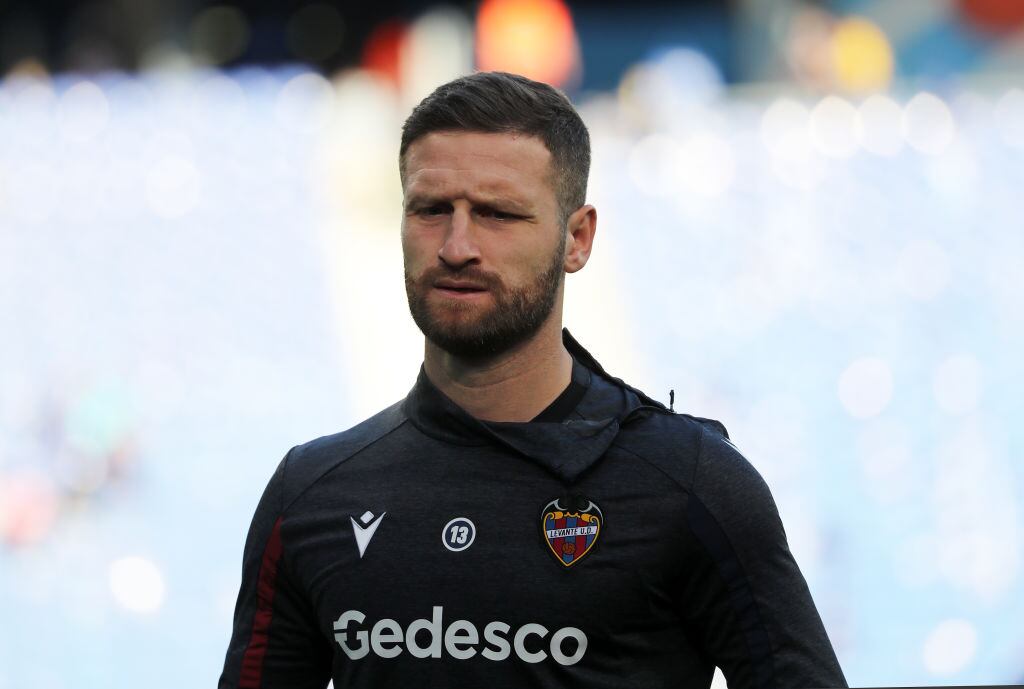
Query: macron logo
{"type": "Point", "coordinates": [365, 531]}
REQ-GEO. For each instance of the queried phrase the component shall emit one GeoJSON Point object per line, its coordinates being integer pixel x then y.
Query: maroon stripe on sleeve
{"type": "Point", "coordinates": [252, 661]}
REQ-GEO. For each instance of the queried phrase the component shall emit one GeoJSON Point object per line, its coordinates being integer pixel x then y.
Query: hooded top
{"type": "Point", "coordinates": [622, 546]}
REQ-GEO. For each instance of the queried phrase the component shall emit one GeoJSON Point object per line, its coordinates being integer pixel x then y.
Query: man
{"type": "Point", "coordinates": [521, 518]}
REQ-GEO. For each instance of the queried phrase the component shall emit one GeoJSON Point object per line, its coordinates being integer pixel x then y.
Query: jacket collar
{"type": "Point", "coordinates": [565, 449]}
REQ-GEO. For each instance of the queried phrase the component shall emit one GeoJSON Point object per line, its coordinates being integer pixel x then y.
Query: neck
{"type": "Point", "coordinates": [515, 385]}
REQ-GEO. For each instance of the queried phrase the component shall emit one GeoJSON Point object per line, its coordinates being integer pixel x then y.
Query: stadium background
{"type": "Point", "coordinates": [809, 227]}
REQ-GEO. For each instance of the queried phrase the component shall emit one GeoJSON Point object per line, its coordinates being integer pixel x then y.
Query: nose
{"type": "Point", "coordinates": [459, 248]}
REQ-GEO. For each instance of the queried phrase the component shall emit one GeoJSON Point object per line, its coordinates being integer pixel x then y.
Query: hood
{"type": "Point", "coordinates": [566, 449]}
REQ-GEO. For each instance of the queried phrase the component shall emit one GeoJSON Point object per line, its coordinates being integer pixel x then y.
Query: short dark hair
{"type": "Point", "coordinates": [495, 102]}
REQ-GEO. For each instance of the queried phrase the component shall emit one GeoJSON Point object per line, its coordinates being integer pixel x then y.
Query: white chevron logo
{"type": "Point", "coordinates": [364, 533]}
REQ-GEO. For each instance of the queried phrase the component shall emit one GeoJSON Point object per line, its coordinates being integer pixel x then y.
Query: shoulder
{"type": "Point", "coordinates": [698, 455]}
{"type": "Point", "coordinates": [672, 442]}
{"type": "Point", "coordinates": [728, 486]}
{"type": "Point", "coordinates": [723, 469]}
{"type": "Point", "coordinates": [306, 463]}
{"type": "Point", "coordinates": [725, 493]}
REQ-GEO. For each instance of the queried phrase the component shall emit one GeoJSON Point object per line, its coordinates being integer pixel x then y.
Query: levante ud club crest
{"type": "Point", "coordinates": [571, 527]}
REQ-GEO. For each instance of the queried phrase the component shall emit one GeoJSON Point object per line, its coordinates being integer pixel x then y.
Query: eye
{"type": "Point", "coordinates": [498, 215]}
{"type": "Point", "coordinates": [433, 211]}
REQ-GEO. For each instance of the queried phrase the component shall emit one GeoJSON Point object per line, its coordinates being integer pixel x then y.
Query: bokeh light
{"type": "Point", "coordinates": [28, 507]}
{"type": "Point", "coordinates": [316, 31]}
{"type": "Point", "coordinates": [866, 387]}
{"type": "Point", "coordinates": [1009, 116]}
{"type": "Point", "coordinates": [173, 186]}
{"type": "Point", "coordinates": [956, 384]}
{"type": "Point", "coordinates": [950, 646]}
{"type": "Point", "coordinates": [382, 52]}
{"type": "Point", "coordinates": [705, 165]}
{"type": "Point", "coordinates": [861, 54]}
{"type": "Point", "coordinates": [534, 38]}
{"type": "Point", "coordinates": [83, 112]}
{"type": "Point", "coordinates": [923, 269]}
{"type": "Point", "coordinates": [835, 129]}
{"type": "Point", "coordinates": [886, 456]}
{"type": "Point", "coordinates": [306, 102]}
{"type": "Point", "coordinates": [219, 34]}
{"type": "Point", "coordinates": [928, 123]}
{"type": "Point", "coordinates": [137, 584]}
{"type": "Point", "coordinates": [437, 48]}
{"type": "Point", "coordinates": [881, 125]}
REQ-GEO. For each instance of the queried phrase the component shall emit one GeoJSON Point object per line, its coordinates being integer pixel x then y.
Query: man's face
{"type": "Point", "coordinates": [482, 239]}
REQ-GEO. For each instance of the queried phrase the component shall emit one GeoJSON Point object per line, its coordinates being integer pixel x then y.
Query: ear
{"type": "Point", "coordinates": [580, 227]}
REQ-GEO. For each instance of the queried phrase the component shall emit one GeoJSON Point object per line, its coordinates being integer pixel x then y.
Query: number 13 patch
{"type": "Point", "coordinates": [458, 534]}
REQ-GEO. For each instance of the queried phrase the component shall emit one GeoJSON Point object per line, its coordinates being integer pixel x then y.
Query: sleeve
{"type": "Point", "coordinates": [745, 600]}
{"type": "Point", "coordinates": [274, 643]}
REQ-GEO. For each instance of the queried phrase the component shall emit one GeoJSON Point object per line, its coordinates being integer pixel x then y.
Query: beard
{"type": "Point", "coordinates": [517, 313]}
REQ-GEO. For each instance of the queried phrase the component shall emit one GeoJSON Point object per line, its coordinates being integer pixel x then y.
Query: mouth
{"type": "Point", "coordinates": [454, 288]}
{"type": "Point", "coordinates": [459, 286]}
{"type": "Point", "coordinates": [460, 293]}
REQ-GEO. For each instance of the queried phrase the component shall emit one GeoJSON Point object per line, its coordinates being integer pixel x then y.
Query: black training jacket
{"type": "Point", "coordinates": [624, 547]}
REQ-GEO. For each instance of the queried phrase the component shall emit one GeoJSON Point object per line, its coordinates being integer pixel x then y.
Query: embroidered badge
{"type": "Point", "coordinates": [571, 527]}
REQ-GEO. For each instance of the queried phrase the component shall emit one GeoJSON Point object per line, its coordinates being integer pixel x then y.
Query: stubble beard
{"type": "Point", "coordinates": [516, 315]}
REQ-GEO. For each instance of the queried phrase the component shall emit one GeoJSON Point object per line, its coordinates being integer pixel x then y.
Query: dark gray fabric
{"type": "Point", "coordinates": [690, 568]}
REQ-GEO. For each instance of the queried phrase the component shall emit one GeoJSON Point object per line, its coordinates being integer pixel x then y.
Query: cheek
{"type": "Point", "coordinates": [416, 251]}
{"type": "Point", "coordinates": [538, 258]}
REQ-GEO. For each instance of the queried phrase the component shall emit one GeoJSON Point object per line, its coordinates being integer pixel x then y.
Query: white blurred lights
{"type": "Point", "coordinates": [923, 269]}
{"type": "Point", "coordinates": [785, 130]}
{"type": "Point", "coordinates": [886, 458]}
{"type": "Point", "coordinates": [975, 514]}
{"type": "Point", "coordinates": [835, 128]}
{"type": "Point", "coordinates": [881, 125]}
{"type": "Point", "coordinates": [703, 164]}
{"type": "Point", "coordinates": [437, 48]}
{"type": "Point", "coordinates": [83, 112]}
{"type": "Point", "coordinates": [784, 125]}
{"type": "Point", "coordinates": [687, 76]}
{"type": "Point", "coordinates": [928, 124]}
{"type": "Point", "coordinates": [221, 94]}
{"type": "Point", "coordinates": [306, 102]}
{"type": "Point", "coordinates": [137, 584]}
{"type": "Point", "coordinates": [33, 100]}
{"type": "Point", "coordinates": [956, 384]}
{"type": "Point", "coordinates": [777, 430]}
{"type": "Point", "coordinates": [672, 91]}
{"type": "Point", "coordinates": [31, 194]}
{"type": "Point", "coordinates": [949, 647]}
{"type": "Point", "coordinates": [954, 174]}
{"type": "Point", "coordinates": [651, 163]}
{"type": "Point", "coordinates": [865, 387]}
{"type": "Point", "coordinates": [173, 186]}
{"type": "Point", "coordinates": [1009, 117]}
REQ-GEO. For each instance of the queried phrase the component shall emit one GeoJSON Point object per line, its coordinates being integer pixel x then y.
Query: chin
{"type": "Point", "coordinates": [458, 312]}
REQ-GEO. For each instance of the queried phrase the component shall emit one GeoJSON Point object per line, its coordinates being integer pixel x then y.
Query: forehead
{"type": "Point", "coordinates": [447, 162]}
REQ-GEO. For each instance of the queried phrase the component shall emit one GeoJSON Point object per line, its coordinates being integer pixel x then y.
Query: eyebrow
{"type": "Point", "coordinates": [501, 202]}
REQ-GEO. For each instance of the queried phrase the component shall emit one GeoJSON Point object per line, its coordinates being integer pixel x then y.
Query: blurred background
{"type": "Point", "coordinates": [809, 226]}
